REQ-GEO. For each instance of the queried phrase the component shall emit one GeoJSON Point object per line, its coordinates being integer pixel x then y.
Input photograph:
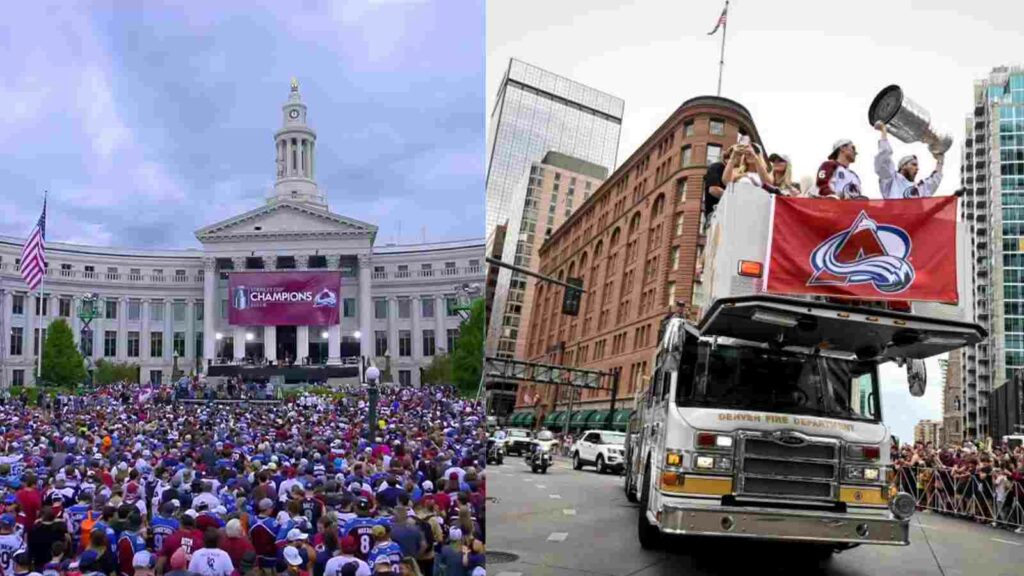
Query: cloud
{"type": "Point", "coordinates": [900, 410]}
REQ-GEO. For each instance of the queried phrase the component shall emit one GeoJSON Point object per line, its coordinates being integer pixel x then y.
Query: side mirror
{"type": "Point", "coordinates": [917, 377]}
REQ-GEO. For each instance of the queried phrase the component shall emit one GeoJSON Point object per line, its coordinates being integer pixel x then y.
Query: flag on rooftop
{"type": "Point", "coordinates": [33, 254]}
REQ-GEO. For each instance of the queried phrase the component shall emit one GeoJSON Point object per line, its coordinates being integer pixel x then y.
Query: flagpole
{"type": "Point", "coordinates": [721, 57]}
{"type": "Point", "coordinates": [42, 306]}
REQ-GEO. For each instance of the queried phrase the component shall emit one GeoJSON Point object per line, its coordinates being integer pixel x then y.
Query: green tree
{"type": "Point", "coordinates": [62, 363]}
{"type": "Point", "coordinates": [110, 372]}
{"type": "Point", "coordinates": [468, 358]}
{"type": "Point", "coordinates": [439, 371]}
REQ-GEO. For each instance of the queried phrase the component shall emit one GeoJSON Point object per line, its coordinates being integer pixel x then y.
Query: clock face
{"type": "Point", "coordinates": [293, 114]}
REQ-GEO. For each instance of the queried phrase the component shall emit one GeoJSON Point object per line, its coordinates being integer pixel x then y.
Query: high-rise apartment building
{"type": "Point", "coordinates": [992, 175]}
{"type": "Point", "coordinates": [952, 400]}
{"type": "Point", "coordinates": [537, 112]}
{"type": "Point", "coordinates": [557, 186]}
{"type": "Point", "coordinates": [635, 243]}
{"type": "Point", "coordinates": [928, 431]}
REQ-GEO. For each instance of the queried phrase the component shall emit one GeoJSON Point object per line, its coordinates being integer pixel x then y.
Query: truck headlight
{"type": "Point", "coordinates": [723, 463]}
{"type": "Point", "coordinates": [704, 462]}
{"type": "Point", "coordinates": [673, 459]}
{"type": "Point", "coordinates": [861, 473]}
{"type": "Point", "coordinates": [871, 474]}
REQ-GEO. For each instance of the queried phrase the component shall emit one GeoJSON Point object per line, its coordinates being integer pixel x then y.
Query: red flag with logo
{"type": "Point", "coordinates": [865, 249]}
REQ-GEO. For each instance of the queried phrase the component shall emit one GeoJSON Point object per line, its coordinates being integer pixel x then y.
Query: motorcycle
{"type": "Point", "coordinates": [495, 453]}
{"type": "Point", "coordinates": [539, 459]}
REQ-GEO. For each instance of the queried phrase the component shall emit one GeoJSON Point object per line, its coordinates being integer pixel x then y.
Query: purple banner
{"type": "Point", "coordinates": [284, 298]}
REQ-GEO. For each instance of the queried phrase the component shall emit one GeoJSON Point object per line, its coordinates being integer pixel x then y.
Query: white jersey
{"type": "Point", "coordinates": [9, 544]}
{"type": "Point", "coordinates": [334, 566]}
{"type": "Point", "coordinates": [895, 185]}
{"type": "Point", "coordinates": [836, 181]}
{"type": "Point", "coordinates": [211, 562]}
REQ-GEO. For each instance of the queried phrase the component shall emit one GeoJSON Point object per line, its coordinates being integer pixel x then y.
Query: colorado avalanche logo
{"type": "Point", "coordinates": [325, 298]}
{"type": "Point", "coordinates": [866, 252]}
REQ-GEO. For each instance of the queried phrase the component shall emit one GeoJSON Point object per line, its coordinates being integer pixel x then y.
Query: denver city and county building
{"type": "Point", "coordinates": [166, 308]}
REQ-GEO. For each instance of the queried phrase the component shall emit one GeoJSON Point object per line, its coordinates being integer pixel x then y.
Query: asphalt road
{"type": "Point", "coordinates": [577, 523]}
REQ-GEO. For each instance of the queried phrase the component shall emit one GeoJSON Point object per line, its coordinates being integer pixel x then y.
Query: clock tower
{"type": "Point", "coordinates": [295, 145]}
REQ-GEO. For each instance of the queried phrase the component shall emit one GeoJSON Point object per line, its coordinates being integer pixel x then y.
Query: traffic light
{"type": "Point", "coordinates": [571, 297]}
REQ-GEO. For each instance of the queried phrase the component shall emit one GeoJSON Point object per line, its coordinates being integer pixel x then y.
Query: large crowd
{"type": "Point", "coordinates": [983, 481]}
{"type": "Point", "coordinates": [128, 482]}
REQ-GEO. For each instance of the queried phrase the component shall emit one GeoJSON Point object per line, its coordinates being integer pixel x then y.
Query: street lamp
{"type": "Point", "coordinates": [372, 377]}
{"type": "Point", "coordinates": [87, 312]}
{"type": "Point", "coordinates": [357, 334]}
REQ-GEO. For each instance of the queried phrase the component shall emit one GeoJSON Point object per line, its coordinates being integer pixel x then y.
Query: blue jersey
{"type": "Point", "coordinates": [76, 515]}
{"type": "Point", "coordinates": [361, 529]}
{"type": "Point", "coordinates": [162, 528]}
{"type": "Point", "coordinates": [391, 551]}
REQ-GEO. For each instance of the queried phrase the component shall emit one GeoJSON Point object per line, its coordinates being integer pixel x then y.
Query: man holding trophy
{"type": "Point", "coordinates": [897, 181]}
{"type": "Point", "coordinates": [891, 111]}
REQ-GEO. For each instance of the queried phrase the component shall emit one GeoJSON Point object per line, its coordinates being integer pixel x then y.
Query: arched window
{"type": "Point", "coordinates": [659, 206]}
{"type": "Point", "coordinates": [598, 249]}
{"type": "Point", "coordinates": [615, 238]}
{"type": "Point", "coordinates": [634, 223]}
{"type": "Point", "coordinates": [583, 263]}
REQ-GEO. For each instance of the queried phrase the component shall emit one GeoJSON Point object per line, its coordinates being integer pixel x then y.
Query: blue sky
{"type": "Point", "coordinates": [145, 125]}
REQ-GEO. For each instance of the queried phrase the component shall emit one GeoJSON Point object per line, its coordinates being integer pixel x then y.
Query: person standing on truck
{"type": "Point", "coordinates": [835, 178]}
{"type": "Point", "coordinates": [897, 181]}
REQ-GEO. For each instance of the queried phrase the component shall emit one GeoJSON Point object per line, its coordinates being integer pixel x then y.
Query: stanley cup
{"type": "Point", "coordinates": [241, 302]}
{"type": "Point", "coordinates": [907, 120]}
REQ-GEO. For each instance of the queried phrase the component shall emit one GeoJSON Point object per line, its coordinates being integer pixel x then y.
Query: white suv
{"type": "Point", "coordinates": [601, 448]}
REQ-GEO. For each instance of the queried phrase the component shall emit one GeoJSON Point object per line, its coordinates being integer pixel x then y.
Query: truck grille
{"type": "Point", "coordinates": [805, 468]}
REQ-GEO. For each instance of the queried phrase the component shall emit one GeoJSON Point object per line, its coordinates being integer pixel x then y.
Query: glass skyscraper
{"type": "Point", "coordinates": [537, 112]}
{"type": "Point", "coordinates": [992, 175]}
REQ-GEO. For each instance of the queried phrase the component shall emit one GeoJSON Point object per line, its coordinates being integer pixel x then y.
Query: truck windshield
{"type": "Point", "coordinates": [755, 378]}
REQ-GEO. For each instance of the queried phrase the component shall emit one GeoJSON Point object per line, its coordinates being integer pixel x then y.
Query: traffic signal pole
{"type": "Point", "coordinates": [528, 272]}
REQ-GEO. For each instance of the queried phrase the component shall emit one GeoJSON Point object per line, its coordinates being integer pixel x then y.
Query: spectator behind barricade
{"type": "Point", "coordinates": [897, 181]}
{"type": "Point", "coordinates": [835, 179]}
{"type": "Point", "coordinates": [745, 165]}
{"type": "Point", "coordinates": [781, 175]}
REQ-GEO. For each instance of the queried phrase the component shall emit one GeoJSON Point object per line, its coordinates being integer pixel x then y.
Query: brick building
{"type": "Point", "coordinates": [635, 243]}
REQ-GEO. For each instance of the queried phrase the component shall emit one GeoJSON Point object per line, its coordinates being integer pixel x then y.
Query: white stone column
{"type": "Point", "coordinates": [122, 328]}
{"type": "Point", "coordinates": [270, 342]}
{"type": "Point", "coordinates": [76, 322]}
{"type": "Point", "coordinates": [144, 339]}
{"type": "Point", "coordinates": [393, 328]}
{"type": "Point", "coordinates": [211, 310]}
{"type": "Point", "coordinates": [288, 157]}
{"type": "Point", "coordinates": [190, 334]}
{"type": "Point", "coordinates": [301, 343]}
{"type": "Point", "coordinates": [168, 358]}
{"type": "Point", "coordinates": [440, 335]}
{"type": "Point", "coordinates": [5, 347]}
{"type": "Point", "coordinates": [29, 344]}
{"type": "Point", "coordinates": [365, 308]}
{"type": "Point", "coordinates": [334, 344]}
{"type": "Point", "coordinates": [239, 342]}
{"type": "Point", "coordinates": [312, 159]}
{"type": "Point", "coordinates": [417, 336]}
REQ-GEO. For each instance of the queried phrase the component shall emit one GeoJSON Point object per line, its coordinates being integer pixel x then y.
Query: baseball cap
{"type": "Point", "coordinates": [291, 555]}
{"type": "Point", "coordinates": [906, 160]}
{"type": "Point", "coordinates": [7, 520]}
{"type": "Point", "coordinates": [266, 504]}
{"type": "Point", "coordinates": [296, 534]}
{"type": "Point", "coordinates": [837, 145]}
{"type": "Point", "coordinates": [143, 559]}
{"type": "Point", "coordinates": [428, 486]}
{"type": "Point", "coordinates": [776, 156]}
{"type": "Point", "coordinates": [191, 513]}
{"type": "Point", "coordinates": [455, 534]}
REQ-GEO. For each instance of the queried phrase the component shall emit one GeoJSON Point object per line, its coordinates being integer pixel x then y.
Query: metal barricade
{"type": "Point", "coordinates": [968, 496]}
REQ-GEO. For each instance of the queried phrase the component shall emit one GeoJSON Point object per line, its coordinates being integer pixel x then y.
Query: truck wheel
{"type": "Point", "coordinates": [576, 464]}
{"type": "Point", "coordinates": [630, 494]}
{"type": "Point", "coordinates": [600, 464]}
{"type": "Point", "coordinates": [649, 536]}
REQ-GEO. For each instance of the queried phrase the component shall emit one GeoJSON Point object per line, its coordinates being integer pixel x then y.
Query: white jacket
{"type": "Point", "coordinates": [894, 185]}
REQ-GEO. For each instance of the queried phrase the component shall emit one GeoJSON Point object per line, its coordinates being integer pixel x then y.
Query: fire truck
{"type": "Point", "coordinates": [762, 418]}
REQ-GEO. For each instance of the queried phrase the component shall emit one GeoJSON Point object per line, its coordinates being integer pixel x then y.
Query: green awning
{"type": "Point", "coordinates": [553, 418]}
{"type": "Point", "coordinates": [598, 419]}
{"type": "Point", "coordinates": [517, 419]}
{"type": "Point", "coordinates": [579, 419]}
{"type": "Point", "coordinates": [560, 417]}
{"type": "Point", "coordinates": [528, 419]}
{"type": "Point", "coordinates": [621, 419]}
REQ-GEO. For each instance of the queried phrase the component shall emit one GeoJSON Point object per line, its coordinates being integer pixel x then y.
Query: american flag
{"type": "Point", "coordinates": [721, 20]}
{"type": "Point", "coordinates": [33, 255]}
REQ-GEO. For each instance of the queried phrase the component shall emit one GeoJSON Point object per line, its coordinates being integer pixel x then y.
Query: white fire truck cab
{"type": "Point", "coordinates": [763, 419]}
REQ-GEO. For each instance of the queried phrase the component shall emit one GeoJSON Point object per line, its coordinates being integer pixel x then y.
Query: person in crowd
{"type": "Point", "coordinates": [897, 180]}
{"type": "Point", "coordinates": [745, 165]}
{"type": "Point", "coordinates": [210, 560]}
{"type": "Point", "coordinates": [835, 178]}
{"type": "Point", "coordinates": [384, 548]}
{"type": "Point", "coordinates": [780, 176]}
{"type": "Point", "coordinates": [235, 542]}
{"type": "Point", "coordinates": [347, 556]}
{"type": "Point", "coordinates": [11, 541]}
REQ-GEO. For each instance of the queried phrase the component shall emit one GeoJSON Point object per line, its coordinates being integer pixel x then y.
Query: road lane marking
{"type": "Point", "coordinates": [558, 536]}
{"type": "Point", "coordinates": [554, 496]}
{"type": "Point", "coordinates": [541, 486]}
{"type": "Point", "coordinates": [510, 574]}
{"type": "Point", "coordinates": [1006, 541]}
{"type": "Point", "coordinates": [569, 511]}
